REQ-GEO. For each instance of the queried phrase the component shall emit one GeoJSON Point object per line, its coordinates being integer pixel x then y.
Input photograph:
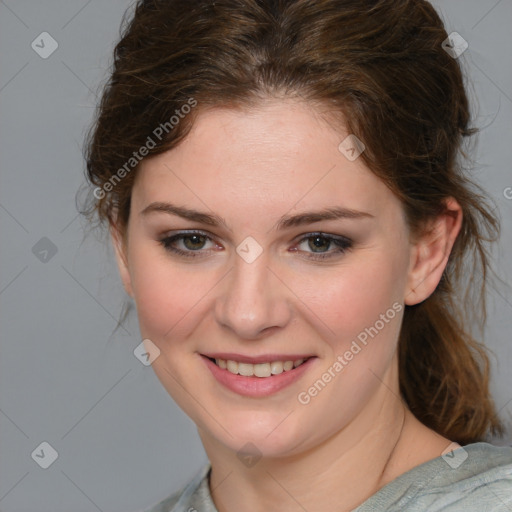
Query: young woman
{"type": "Point", "coordinates": [284, 187]}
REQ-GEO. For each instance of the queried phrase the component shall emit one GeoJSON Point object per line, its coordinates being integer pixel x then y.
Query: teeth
{"type": "Point", "coordinates": [247, 370]}
{"type": "Point", "coordinates": [276, 367]}
{"type": "Point", "coordinates": [260, 369]}
{"type": "Point", "coordinates": [232, 366]}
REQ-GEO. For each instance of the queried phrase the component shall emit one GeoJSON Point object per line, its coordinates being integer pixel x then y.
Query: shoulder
{"type": "Point", "coordinates": [187, 498]}
{"type": "Point", "coordinates": [472, 478]}
{"type": "Point", "coordinates": [167, 504]}
{"type": "Point", "coordinates": [477, 462]}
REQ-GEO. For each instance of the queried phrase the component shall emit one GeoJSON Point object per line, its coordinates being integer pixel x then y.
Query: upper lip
{"type": "Point", "coordinates": [264, 358]}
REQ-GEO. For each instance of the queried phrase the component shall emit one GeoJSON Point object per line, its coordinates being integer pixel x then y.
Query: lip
{"type": "Point", "coordinates": [257, 386]}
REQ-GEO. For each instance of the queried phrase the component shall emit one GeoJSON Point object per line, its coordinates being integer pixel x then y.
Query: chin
{"type": "Point", "coordinates": [265, 433]}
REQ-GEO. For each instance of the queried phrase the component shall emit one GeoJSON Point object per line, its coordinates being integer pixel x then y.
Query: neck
{"type": "Point", "coordinates": [339, 474]}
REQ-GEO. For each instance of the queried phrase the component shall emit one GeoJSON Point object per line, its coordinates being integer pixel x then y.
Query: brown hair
{"type": "Point", "coordinates": [380, 65]}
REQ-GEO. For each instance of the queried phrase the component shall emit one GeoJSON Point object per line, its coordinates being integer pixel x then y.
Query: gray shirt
{"type": "Point", "coordinates": [474, 478]}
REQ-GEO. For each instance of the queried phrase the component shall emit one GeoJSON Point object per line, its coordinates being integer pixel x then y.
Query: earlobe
{"type": "Point", "coordinates": [429, 255]}
{"type": "Point", "coordinates": [121, 258]}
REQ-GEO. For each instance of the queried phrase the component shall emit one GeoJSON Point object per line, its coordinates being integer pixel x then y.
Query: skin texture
{"type": "Point", "coordinates": [250, 168]}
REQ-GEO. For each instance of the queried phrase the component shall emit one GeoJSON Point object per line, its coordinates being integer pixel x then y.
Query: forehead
{"type": "Point", "coordinates": [278, 156]}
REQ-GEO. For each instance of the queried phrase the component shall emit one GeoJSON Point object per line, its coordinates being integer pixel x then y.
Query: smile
{"type": "Point", "coordinates": [257, 370]}
{"type": "Point", "coordinates": [262, 377]}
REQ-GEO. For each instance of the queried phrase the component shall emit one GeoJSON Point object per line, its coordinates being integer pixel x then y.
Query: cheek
{"type": "Point", "coordinates": [165, 294]}
{"type": "Point", "coordinates": [354, 296]}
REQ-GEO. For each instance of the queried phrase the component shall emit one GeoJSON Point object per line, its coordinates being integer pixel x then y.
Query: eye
{"type": "Point", "coordinates": [319, 244]}
{"type": "Point", "coordinates": [192, 243]}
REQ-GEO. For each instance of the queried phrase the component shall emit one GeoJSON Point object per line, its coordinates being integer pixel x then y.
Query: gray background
{"type": "Point", "coordinates": [65, 377]}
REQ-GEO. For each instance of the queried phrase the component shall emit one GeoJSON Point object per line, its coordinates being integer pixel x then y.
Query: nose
{"type": "Point", "coordinates": [253, 301]}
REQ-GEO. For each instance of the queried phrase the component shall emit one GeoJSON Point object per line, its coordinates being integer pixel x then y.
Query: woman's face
{"type": "Point", "coordinates": [261, 278]}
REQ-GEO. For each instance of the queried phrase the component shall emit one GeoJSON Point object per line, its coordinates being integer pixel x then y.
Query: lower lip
{"type": "Point", "coordinates": [257, 386]}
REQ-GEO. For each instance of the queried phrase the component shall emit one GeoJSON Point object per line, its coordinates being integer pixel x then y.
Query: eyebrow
{"type": "Point", "coordinates": [285, 222]}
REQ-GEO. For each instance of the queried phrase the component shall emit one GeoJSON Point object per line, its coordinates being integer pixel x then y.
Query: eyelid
{"type": "Point", "coordinates": [182, 233]}
{"type": "Point", "coordinates": [191, 231]}
{"type": "Point", "coordinates": [324, 234]}
{"type": "Point", "coordinates": [298, 238]}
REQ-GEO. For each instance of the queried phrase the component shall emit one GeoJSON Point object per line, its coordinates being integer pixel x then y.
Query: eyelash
{"type": "Point", "coordinates": [344, 244]}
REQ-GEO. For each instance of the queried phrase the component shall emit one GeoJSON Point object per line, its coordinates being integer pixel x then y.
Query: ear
{"type": "Point", "coordinates": [430, 253]}
{"type": "Point", "coordinates": [121, 258]}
